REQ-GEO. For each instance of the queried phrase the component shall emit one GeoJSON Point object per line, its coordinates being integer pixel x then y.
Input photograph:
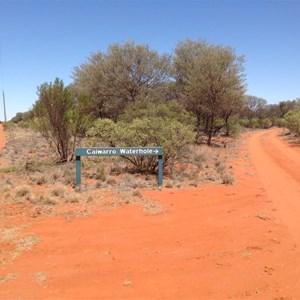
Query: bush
{"type": "Point", "coordinates": [293, 120]}
{"type": "Point", "coordinates": [244, 122]}
{"type": "Point", "coordinates": [280, 122]}
{"type": "Point", "coordinates": [168, 133]}
{"type": "Point", "coordinates": [22, 190]}
{"type": "Point", "coordinates": [266, 123]}
{"type": "Point", "coordinates": [254, 123]}
{"type": "Point", "coordinates": [60, 117]}
{"type": "Point", "coordinates": [233, 127]}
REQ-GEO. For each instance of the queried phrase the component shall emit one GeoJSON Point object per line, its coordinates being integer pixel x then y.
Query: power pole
{"type": "Point", "coordinates": [4, 108]}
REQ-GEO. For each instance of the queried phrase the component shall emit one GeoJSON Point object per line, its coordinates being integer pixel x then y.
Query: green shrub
{"type": "Point", "coordinates": [169, 110]}
{"type": "Point", "coordinates": [168, 133]}
{"type": "Point", "coordinates": [60, 117]}
{"type": "Point", "coordinates": [254, 123]}
{"type": "Point", "coordinates": [244, 122]}
{"type": "Point", "coordinates": [266, 123]}
{"type": "Point", "coordinates": [293, 120]}
{"type": "Point", "coordinates": [280, 122]}
{"type": "Point", "coordinates": [233, 127]}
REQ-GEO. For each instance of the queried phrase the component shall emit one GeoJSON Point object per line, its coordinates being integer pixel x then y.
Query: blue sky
{"type": "Point", "coordinates": [41, 40]}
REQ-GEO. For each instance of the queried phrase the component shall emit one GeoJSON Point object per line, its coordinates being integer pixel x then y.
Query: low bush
{"type": "Point", "coordinates": [293, 120]}
{"type": "Point", "coordinates": [170, 134]}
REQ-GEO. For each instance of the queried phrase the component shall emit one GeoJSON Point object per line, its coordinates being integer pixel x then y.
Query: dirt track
{"type": "Point", "coordinates": [214, 242]}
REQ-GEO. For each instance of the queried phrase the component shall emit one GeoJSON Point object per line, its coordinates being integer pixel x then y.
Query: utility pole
{"type": "Point", "coordinates": [4, 108]}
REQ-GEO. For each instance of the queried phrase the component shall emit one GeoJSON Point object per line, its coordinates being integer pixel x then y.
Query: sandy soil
{"type": "Point", "coordinates": [213, 242]}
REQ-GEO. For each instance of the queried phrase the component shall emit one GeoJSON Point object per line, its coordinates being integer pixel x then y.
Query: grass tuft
{"type": "Point", "coordinates": [22, 190]}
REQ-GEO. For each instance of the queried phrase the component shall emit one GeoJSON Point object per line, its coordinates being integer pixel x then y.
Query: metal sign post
{"type": "Point", "coordinates": [121, 151]}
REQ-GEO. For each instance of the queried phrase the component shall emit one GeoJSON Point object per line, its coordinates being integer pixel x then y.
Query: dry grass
{"type": "Point", "coordinates": [7, 277]}
{"type": "Point", "coordinates": [30, 176]}
{"type": "Point", "coordinates": [18, 243]}
{"type": "Point", "coordinates": [9, 235]}
{"type": "Point", "coordinates": [22, 190]}
{"type": "Point", "coordinates": [27, 242]}
{"type": "Point", "coordinates": [40, 277]}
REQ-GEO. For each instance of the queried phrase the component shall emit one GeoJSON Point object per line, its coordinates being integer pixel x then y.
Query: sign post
{"type": "Point", "coordinates": [121, 151]}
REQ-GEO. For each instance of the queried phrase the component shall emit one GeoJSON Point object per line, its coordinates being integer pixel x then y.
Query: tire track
{"type": "Point", "coordinates": [278, 168]}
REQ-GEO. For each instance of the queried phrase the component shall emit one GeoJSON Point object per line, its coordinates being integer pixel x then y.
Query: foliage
{"type": "Point", "coordinates": [59, 117]}
{"type": "Point", "coordinates": [233, 127]}
{"type": "Point", "coordinates": [266, 123]}
{"type": "Point", "coordinates": [168, 110]}
{"type": "Point", "coordinates": [172, 135]}
{"type": "Point", "coordinates": [120, 76]}
{"type": "Point", "coordinates": [255, 107]}
{"type": "Point", "coordinates": [210, 80]}
{"type": "Point", "coordinates": [280, 122]}
{"type": "Point", "coordinates": [286, 106]}
{"type": "Point", "coordinates": [254, 123]}
{"type": "Point", "coordinates": [244, 122]}
{"type": "Point", "coordinates": [293, 120]}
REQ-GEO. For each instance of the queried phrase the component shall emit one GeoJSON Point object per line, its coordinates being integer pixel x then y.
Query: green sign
{"type": "Point", "coordinates": [121, 151]}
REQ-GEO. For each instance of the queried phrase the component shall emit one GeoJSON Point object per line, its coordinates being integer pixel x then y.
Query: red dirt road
{"type": "Point", "coordinates": [213, 242]}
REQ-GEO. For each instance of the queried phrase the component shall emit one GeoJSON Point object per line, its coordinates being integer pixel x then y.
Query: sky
{"type": "Point", "coordinates": [43, 39]}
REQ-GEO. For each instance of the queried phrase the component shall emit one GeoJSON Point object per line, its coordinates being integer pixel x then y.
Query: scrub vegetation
{"type": "Point", "coordinates": [133, 96]}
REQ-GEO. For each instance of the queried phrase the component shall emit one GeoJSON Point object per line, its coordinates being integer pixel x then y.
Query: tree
{"type": "Point", "coordinates": [255, 107]}
{"type": "Point", "coordinates": [286, 106]}
{"type": "Point", "coordinates": [60, 118]}
{"type": "Point", "coordinates": [120, 76]}
{"type": "Point", "coordinates": [210, 81]}
{"type": "Point", "coordinates": [273, 112]}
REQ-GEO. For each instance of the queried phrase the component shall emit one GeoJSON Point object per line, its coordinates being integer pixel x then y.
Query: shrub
{"type": "Point", "coordinates": [280, 122]}
{"type": "Point", "coordinates": [58, 192]}
{"type": "Point", "coordinates": [254, 123]}
{"type": "Point", "coordinates": [172, 135]}
{"type": "Point", "coordinates": [227, 179]}
{"type": "Point", "coordinates": [22, 190]}
{"type": "Point", "coordinates": [200, 159]}
{"type": "Point", "coordinates": [266, 123]}
{"type": "Point", "coordinates": [60, 117]}
{"type": "Point", "coordinates": [233, 127]}
{"type": "Point", "coordinates": [244, 122]}
{"type": "Point", "coordinates": [293, 120]}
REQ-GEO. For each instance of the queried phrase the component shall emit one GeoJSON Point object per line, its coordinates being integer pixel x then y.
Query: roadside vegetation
{"type": "Point", "coordinates": [192, 103]}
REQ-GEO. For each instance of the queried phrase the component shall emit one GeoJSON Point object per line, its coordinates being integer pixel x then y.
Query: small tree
{"type": "Point", "coordinates": [59, 117]}
{"type": "Point", "coordinates": [210, 81]}
{"type": "Point", "coordinates": [293, 120]}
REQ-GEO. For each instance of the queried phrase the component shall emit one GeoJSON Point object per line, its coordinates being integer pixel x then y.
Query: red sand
{"type": "Point", "coordinates": [214, 242]}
